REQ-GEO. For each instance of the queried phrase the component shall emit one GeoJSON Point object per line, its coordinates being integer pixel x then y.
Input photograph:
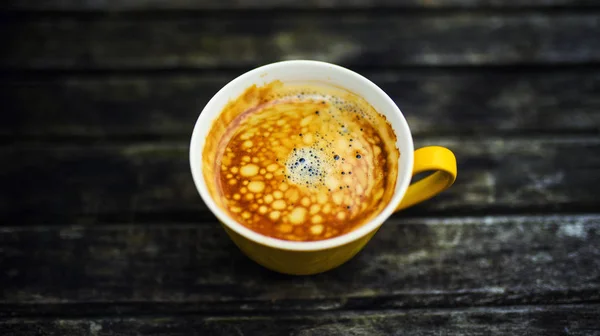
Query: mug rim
{"type": "Point", "coordinates": [402, 180]}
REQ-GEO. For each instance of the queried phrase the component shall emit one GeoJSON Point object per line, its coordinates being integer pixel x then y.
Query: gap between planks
{"type": "Point", "coordinates": [11, 12]}
{"type": "Point", "coordinates": [138, 144]}
{"type": "Point", "coordinates": [8, 75]}
{"type": "Point", "coordinates": [301, 314]}
{"type": "Point", "coordinates": [516, 219]}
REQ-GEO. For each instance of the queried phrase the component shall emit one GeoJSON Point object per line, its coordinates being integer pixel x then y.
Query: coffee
{"type": "Point", "coordinates": [300, 162]}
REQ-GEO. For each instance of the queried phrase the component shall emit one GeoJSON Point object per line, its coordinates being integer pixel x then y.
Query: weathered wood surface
{"type": "Point", "coordinates": [103, 233]}
{"type": "Point", "coordinates": [112, 5]}
{"type": "Point", "coordinates": [138, 182]}
{"type": "Point", "coordinates": [410, 263]}
{"type": "Point", "coordinates": [528, 320]}
{"type": "Point", "coordinates": [205, 40]}
{"type": "Point", "coordinates": [433, 101]}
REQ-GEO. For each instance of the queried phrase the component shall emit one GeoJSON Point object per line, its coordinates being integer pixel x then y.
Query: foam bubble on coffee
{"type": "Point", "coordinates": [307, 166]}
{"type": "Point", "coordinates": [302, 162]}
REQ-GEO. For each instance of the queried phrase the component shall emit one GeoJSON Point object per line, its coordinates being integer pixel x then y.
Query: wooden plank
{"type": "Point", "coordinates": [543, 321]}
{"type": "Point", "coordinates": [434, 102]}
{"type": "Point", "coordinates": [141, 181]}
{"type": "Point", "coordinates": [137, 5]}
{"type": "Point", "coordinates": [410, 263]}
{"type": "Point", "coordinates": [206, 40]}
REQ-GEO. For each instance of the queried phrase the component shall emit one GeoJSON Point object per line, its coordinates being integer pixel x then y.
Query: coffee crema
{"type": "Point", "coordinates": [300, 162]}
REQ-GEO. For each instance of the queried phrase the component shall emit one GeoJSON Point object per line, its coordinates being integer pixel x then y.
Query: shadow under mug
{"type": "Point", "coordinates": [312, 257]}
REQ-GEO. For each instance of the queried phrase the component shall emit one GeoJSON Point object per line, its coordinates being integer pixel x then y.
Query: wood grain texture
{"type": "Point", "coordinates": [139, 181]}
{"type": "Point", "coordinates": [112, 5]}
{"type": "Point", "coordinates": [410, 263]}
{"type": "Point", "coordinates": [434, 102]}
{"type": "Point", "coordinates": [204, 40]}
{"type": "Point", "coordinates": [543, 321]}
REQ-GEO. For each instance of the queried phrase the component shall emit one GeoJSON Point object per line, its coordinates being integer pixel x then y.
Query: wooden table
{"type": "Point", "coordinates": [102, 231]}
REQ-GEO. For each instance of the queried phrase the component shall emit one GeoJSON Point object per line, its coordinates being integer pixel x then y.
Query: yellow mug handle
{"type": "Point", "coordinates": [432, 158]}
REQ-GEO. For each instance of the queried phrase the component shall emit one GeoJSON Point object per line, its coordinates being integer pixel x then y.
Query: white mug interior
{"type": "Point", "coordinates": [302, 71]}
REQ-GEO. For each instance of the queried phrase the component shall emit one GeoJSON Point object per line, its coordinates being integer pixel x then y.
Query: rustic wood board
{"type": "Point", "coordinates": [527, 320]}
{"type": "Point", "coordinates": [112, 5]}
{"type": "Point", "coordinates": [208, 40]}
{"type": "Point", "coordinates": [410, 263]}
{"type": "Point", "coordinates": [103, 233]}
{"type": "Point", "coordinates": [139, 182]}
{"type": "Point", "coordinates": [435, 102]}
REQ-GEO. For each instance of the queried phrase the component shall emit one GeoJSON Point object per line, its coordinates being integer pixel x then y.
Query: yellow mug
{"type": "Point", "coordinates": [312, 257]}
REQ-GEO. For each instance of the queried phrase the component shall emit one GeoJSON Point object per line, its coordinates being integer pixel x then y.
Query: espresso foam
{"type": "Point", "coordinates": [301, 162]}
{"type": "Point", "coordinates": [307, 166]}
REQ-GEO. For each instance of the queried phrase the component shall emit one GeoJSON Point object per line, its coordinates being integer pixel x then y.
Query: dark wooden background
{"type": "Point", "coordinates": [103, 233]}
